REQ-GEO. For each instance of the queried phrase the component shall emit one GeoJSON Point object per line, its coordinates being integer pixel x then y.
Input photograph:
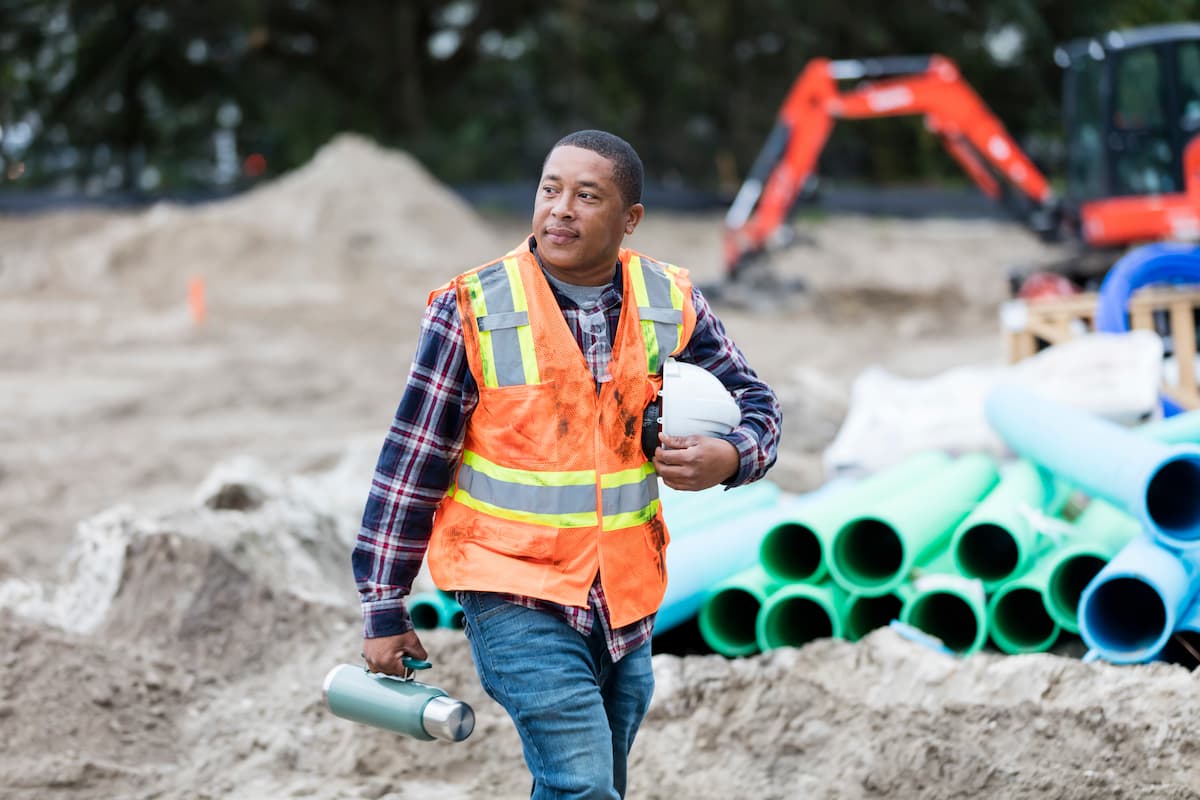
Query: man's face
{"type": "Point", "coordinates": [580, 217]}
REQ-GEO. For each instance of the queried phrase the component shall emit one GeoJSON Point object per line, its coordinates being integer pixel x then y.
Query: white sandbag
{"type": "Point", "coordinates": [1116, 376]}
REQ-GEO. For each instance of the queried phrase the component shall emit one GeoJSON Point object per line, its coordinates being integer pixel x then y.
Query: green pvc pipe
{"type": "Point", "coordinates": [998, 540]}
{"type": "Point", "coordinates": [1179, 429]}
{"type": "Point", "coordinates": [728, 617]}
{"type": "Point", "coordinates": [434, 610]}
{"type": "Point", "coordinates": [949, 607]}
{"type": "Point", "coordinates": [1096, 536]}
{"type": "Point", "coordinates": [797, 548]}
{"type": "Point", "coordinates": [451, 615]}
{"type": "Point", "coordinates": [876, 551]}
{"type": "Point", "coordinates": [862, 614]}
{"type": "Point", "coordinates": [1017, 616]}
{"type": "Point", "coordinates": [425, 609]}
{"type": "Point", "coordinates": [798, 613]}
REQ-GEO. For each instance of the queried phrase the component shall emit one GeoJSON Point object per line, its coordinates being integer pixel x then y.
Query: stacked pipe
{"type": "Point", "coordinates": [965, 551]}
{"type": "Point", "coordinates": [1128, 612]}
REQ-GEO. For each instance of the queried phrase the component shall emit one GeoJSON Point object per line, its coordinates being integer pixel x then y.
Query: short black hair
{"type": "Point", "coordinates": [627, 166]}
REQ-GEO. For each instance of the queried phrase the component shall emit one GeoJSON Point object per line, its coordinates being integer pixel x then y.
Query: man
{"type": "Point", "coordinates": [515, 459]}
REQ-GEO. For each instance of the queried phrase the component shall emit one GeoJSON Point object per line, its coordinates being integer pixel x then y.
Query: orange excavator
{"type": "Point", "coordinates": [1131, 104]}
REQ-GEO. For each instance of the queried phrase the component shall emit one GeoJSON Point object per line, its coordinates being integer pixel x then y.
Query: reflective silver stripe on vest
{"type": "Point", "coordinates": [631, 496]}
{"type": "Point", "coordinates": [661, 311]}
{"type": "Point", "coordinates": [508, 319]}
{"type": "Point", "coordinates": [506, 347]}
{"type": "Point", "coordinates": [523, 497]}
{"type": "Point", "coordinates": [673, 316]}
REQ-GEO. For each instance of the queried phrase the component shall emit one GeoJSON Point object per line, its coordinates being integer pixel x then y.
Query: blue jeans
{"type": "Point", "coordinates": [574, 709]}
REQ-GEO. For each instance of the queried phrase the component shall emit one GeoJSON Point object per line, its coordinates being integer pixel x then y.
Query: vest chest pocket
{"type": "Point", "coordinates": [521, 424]}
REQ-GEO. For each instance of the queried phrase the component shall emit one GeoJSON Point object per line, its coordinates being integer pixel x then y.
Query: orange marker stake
{"type": "Point", "coordinates": [196, 299]}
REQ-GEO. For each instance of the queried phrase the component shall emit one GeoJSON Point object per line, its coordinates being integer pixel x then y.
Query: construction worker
{"type": "Point", "coordinates": [515, 459]}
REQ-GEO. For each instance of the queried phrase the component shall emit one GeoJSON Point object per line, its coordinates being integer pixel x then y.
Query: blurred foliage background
{"type": "Point", "coordinates": [177, 97]}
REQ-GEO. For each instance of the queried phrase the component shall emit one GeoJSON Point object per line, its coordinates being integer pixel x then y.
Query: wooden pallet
{"type": "Point", "coordinates": [1033, 325]}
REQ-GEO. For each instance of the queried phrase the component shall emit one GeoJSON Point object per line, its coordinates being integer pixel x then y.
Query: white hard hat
{"type": "Point", "coordinates": [695, 402]}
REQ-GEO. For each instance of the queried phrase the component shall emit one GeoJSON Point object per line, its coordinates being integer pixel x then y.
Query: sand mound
{"type": "Point", "coordinates": [355, 212]}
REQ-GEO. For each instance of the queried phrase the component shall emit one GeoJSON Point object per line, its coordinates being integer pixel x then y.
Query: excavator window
{"type": "Point", "coordinates": [1188, 55]}
{"type": "Point", "coordinates": [1084, 112]}
{"type": "Point", "coordinates": [1140, 139]}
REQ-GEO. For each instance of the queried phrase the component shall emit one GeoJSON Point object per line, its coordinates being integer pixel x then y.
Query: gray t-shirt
{"type": "Point", "coordinates": [597, 348]}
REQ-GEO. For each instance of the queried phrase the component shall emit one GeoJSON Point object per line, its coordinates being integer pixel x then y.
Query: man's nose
{"type": "Point", "coordinates": [562, 207]}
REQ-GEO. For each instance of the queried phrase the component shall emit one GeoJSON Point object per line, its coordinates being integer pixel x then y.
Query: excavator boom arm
{"type": "Point", "coordinates": [931, 86]}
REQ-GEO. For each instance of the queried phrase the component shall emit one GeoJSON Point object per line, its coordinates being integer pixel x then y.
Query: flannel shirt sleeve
{"type": "Point", "coordinates": [757, 436]}
{"type": "Point", "coordinates": [416, 466]}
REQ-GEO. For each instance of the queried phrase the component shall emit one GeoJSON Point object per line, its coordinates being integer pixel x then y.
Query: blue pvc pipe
{"type": "Point", "coordinates": [1184, 645]}
{"type": "Point", "coordinates": [708, 555]}
{"type": "Point", "coordinates": [1164, 262]}
{"type": "Point", "coordinates": [689, 512]}
{"type": "Point", "coordinates": [1155, 482]}
{"type": "Point", "coordinates": [1128, 611]}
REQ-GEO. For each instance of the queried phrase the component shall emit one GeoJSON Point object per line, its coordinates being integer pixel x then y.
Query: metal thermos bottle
{"type": "Point", "coordinates": [397, 704]}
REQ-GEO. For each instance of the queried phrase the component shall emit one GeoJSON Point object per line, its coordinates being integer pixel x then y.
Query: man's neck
{"type": "Point", "coordinates": [601, 275]}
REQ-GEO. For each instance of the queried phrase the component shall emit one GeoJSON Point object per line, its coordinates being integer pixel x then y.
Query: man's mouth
{"type": "Point", "coordinates": [561, 235]}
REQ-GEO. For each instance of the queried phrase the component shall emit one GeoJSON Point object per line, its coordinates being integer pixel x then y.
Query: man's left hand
{"type": "Point", "coordinates": [692, 463]}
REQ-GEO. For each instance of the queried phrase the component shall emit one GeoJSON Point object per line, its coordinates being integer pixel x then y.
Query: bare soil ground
{"type": "Point", "coordinates": [177, 503]}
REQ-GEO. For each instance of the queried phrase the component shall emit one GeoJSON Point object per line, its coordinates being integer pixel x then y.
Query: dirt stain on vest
{"type": "Point", "coordinates": [658, 536]}
{"type": "Point", "coordinates": [457, 537]}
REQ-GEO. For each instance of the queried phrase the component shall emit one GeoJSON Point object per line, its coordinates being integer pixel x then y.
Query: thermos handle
{"type": "Point", "coordinates": [411, 665]}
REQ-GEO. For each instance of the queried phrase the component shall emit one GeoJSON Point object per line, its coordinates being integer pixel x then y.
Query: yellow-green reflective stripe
{"type": "Point", "coordinates": [628, 519]}
{"type": "Point", "coordinates": [524, 497]}
{"type": "Point", "coordinates": [487, 359]}
{"type": "Point", "coordinates": [525, 332]}
{"type": "Point", "coordinates": [649, 337]}
{"type": "Point", "coordinates": [610, 480]}
{"type": "Point", "coordinates": [639, 281]}
{"type": "Point", "coordinates": [580, 520]}
{"type": "Point", "coordinates": [579, 477]}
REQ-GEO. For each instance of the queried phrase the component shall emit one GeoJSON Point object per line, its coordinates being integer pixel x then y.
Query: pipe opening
{"type": "Point", "coordinates": [458, 620]}
{"type": "Point", "coordinates": [795, 621]}
{"type": "Point", "coordinates": [792, 552]}
{"type": "Point", "coordinates": [1068, 581]}
{"type": "Point", "coordinates": [729, 617]}
{"type": "Point", "coordinates": [1021, 621]}
{"type": "Point", "coordinates": [424, 615]}
{"type": "Point", "coordinates": [1125, 616]}
{"type": "Point", "coordinates": [865, 614]}
{"type": "Point", "coordinates": [988, 552]}
{"type": "Point", "coordinates": [1173, 497]}
{"type": "Point", "coordinates": [869, 552]}
{"type": "Point", "coordinates": [1183, 648]}
{"type": "Point", "coordinates": [948, 617]}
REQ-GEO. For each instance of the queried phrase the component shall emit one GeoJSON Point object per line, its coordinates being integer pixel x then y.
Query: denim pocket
{"type": "Point", "coordinates": [483, 605]}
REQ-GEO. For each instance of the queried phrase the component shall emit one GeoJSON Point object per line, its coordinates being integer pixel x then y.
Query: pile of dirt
{"type": "Point", "coordinates": [355, 212]}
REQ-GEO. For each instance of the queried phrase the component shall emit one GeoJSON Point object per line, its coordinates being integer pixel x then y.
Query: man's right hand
{"type": "Point", "coordinates": [384, 654]}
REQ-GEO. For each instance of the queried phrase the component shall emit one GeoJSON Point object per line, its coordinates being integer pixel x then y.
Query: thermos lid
{"type": "Point", "coordinates": [449, 719]}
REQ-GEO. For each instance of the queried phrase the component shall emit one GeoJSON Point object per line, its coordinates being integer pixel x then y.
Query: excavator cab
{"type": "Point", "coordinates": [1131, 103]}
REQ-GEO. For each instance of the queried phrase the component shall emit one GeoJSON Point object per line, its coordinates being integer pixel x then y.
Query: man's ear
{"type": "Point", "coordinates": [633, 216]}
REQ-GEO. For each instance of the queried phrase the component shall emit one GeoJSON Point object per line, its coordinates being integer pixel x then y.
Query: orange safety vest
{"type": "Point", "coordinates": [553, 484]}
